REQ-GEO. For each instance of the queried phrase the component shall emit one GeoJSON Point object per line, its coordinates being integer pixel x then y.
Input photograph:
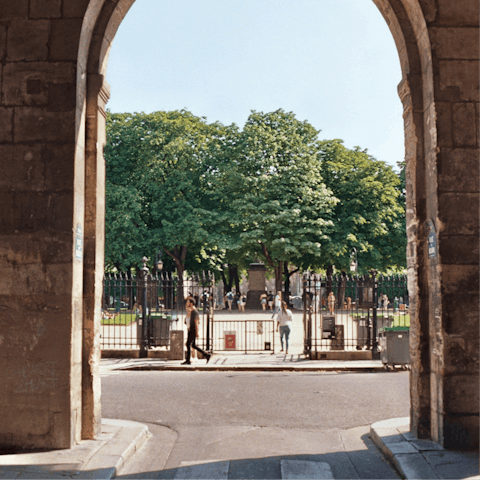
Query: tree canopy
{"type": "Point", "coordinates": [211, 195]}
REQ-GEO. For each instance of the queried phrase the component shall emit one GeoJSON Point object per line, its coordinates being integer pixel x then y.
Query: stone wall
{"type": "Point", "coordinates": [41, 190]}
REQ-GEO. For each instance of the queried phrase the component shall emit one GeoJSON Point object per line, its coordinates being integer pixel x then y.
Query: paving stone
{"type": "Point", "coordinates": [414, 466]}
{"type": "Point", "coordinates": [401, 447]}
{"type": "Point", "coordinates": [213, 469]}
{"type": "Point", "coordinates": [425, 445]}
{"type": "Point", "coordinates": [393, 439]}
{"type": "Point", "coordinates": [299, 469]}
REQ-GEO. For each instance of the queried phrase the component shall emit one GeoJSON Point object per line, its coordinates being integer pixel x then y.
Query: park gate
{"type": "Point", "coordinates": [342, 313]}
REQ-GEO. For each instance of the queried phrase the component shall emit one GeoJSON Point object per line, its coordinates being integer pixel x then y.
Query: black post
{"type": "Point", "coordinates": [208, 306]}
{"type": "Point", "coordinates": [144, 341]}
{"type": "Point", "coordinates": [375, 352]}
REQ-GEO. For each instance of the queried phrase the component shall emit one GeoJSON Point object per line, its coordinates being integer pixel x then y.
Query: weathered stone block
{"type": "Point", "coordinates": [458, 170]}
{"type": "Point", "coordinates": [28, 212]}
{"type": "Point", "coordinates": [62, 97]}
{"type": "Point", "coordinates": [65, 39]}
{"type": "Point", "coordinates": [460, 313]}
{"type": "Point", "coordinates": [39, 247]}
{"type": "Point", "coordinates": [59, 161]}
{"type": "Point", "coordinates": [28, 40]}
{"type": "Point", "coordinates": [477, 121]}
{"type": "Point", "coordinates": [35, 279]}
{"type": "Point", "coordinates": [459, 250]}
{"type": "Point", "coordinates": [35, 124]}
{"type": "Point", "coordinates": [459, 213]}
{"type": "Point", "coordinates": [463, 74]}
{"type": "Point", "coordinates": [464, 125]}
{"type": "Point", "coordinates": [461, 432]}
{"type": "Point", "coordinates": [458, 13]}
{"type": "Point", "coordinates": [459, 280]}
{"type": "Point", "coordinates": [30, 83]}
{"type": "Point", "coordinates": [3, 41]}
{"type": "Point", "coordinates": [75, 8]}
{"type": "Point", "coordinates": [456, 43]}
{"type": "Point", "coordinates": [6, 124]}
{"type": "Point", "coordinates": [444, 124]}
{"type": "Point", "coordinates": [9, 10]}
{"type": "Point", "coordinates": [45, 8]}
{"type": "Point", "coordinates": [459, 358]}
{"type": "Point", "coordinates": [20, 168]}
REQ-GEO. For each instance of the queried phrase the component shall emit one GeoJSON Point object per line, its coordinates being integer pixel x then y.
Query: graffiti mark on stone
{"type": "Point", "coordinates": [37, 378]}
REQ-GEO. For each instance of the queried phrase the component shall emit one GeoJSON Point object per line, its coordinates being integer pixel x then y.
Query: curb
{"type": "Point", "coordinates": [253, 368]}
{"type": "Point", "coordinates": [392, 438]}
{"type": "Point", "coordinates": [420, 459]}
{"type": "Point", "coordinates": [100, 458]}
{"type": "Point", "coordinates": [115, 452]}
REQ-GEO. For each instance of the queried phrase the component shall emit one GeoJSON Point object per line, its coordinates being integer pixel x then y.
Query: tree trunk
{"type": "Point", "coordinates": [227, 283]}
{"type": "Point", "coordinates": [279, 276]}
{"type": "Point", "coordinates": [179, 254]}
{"type": "Point", "coordinates": [329, 282]}
{"type": "Point", "coordinates": [236, 278]}
{"type": "Point", "coordinates": [341, 290]}
{"type": "Point", "coordinates": [286, 296]}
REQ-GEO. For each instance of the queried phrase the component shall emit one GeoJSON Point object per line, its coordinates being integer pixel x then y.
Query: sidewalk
{"type": "Point", "coordinates": [421, 459]}
{"type": "Point", "coordinates": [104, 457]}
{"type": "Point", "coordinates": [100, 458]}
{"type": "Point", "coordinates": [242, 362]}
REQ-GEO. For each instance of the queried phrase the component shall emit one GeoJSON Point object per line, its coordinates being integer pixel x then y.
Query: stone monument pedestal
{"type": "Point", "coordinates": [256, 285]}
{"type": "Point", "coordinates": [177, 347]}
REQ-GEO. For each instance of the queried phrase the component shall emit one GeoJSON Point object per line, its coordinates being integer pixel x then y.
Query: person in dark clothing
{"type": "Point", "coordinates": [193, 319]}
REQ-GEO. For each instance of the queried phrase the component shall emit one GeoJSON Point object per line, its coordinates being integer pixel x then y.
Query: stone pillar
{"type": "Point", "coordinates": [41, 228]}
{"type": "Point", "coordinates": [453, 268]}
{"type": "Point", "coordinates": [98, 94]}
{"type": "Point", "coordinates": [256, 285]}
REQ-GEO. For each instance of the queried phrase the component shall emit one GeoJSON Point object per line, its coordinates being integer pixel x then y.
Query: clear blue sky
{"type": "Point", "coordinates": [331, 62]}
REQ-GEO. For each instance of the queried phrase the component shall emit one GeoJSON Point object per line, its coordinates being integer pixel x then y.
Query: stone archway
{"type": "Point", "coordinates": [411, 38]}
{"type": "Point", "coordinates": [52, 129]}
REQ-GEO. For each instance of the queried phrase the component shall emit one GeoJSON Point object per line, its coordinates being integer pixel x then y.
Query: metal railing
{"type": "Point", "coordinates": [345, 313]}
{"type": "Point", "coordinates": [139, 312]}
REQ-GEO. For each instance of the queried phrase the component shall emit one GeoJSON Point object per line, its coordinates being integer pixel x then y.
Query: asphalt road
{"type": "Point", "coordinates": [244, 425]}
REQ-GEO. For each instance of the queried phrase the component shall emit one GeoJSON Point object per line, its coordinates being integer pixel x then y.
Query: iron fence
{"type": "Point", "coordinates": [347, 313]}
{"type": "Point", "coordinates": [139, 312]}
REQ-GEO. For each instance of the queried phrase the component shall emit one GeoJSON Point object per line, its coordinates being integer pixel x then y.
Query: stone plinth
{"type": "Point", "coordinates": [256, 285]}
{"type": "Point", "coordinates": [177, 348]}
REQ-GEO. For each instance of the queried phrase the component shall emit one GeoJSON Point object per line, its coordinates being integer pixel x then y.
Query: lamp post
{"type": "Point", "coordinates": [354, 262]}
{"type": "Point", "coordinates": [144, 341]}
{"type": "Point", "coordinates": [353, 269]}
{"type": "Point", "coordinates": [158, 260]}
{"type": "Point", "coordinates": [158, 268]}
{"type": "Point", "coordinates": [375, 352]}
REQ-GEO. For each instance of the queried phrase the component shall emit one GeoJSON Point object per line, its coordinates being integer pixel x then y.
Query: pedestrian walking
{"type": "Point", "coordinates": [270, 301]}
{"type": "Point", "coordinates": [192, 322]}
{"type": "Point", "coordinates": [284, 322]}
{"type": "Point", "coordinates": [241, 303]}
{"type": "Point", "coordinates": [230, 300]}
{"type": "Point", "coordinates": [278, 303]}
{"type": "Point", "coordinates": [263, 301]}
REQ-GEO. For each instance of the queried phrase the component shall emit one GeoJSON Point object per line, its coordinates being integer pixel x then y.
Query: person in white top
{"type": "Point", "coordinates": [278, 303]}
{"type": "Point", "coordinates": [284, 322]}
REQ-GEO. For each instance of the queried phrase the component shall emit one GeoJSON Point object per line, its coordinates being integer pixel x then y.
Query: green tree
{"type": "Point", "coordinates": [369, 215]}
{"type": "Point", "coordinates": [270, 186]}
{"type": "Point", "coordinates": [157, 186]}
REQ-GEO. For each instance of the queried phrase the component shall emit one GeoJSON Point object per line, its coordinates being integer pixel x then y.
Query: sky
{"type": "Point", "coordinates": [332, 62]}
